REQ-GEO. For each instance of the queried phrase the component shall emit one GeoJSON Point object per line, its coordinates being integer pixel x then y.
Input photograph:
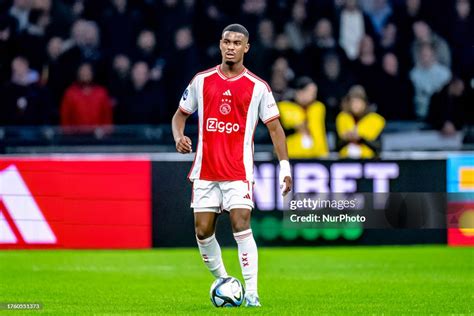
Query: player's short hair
{"type": "Point", "coordinates": [238, 28]}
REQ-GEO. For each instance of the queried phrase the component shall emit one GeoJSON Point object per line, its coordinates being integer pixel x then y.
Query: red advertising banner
{"type": "Point", "coordinates": [75, 202]}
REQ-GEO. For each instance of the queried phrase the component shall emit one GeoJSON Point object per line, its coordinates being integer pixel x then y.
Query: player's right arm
{"type": "Point", "coordinates": [187, 106]}
{"type": "Point", "coordinates": [183, 143]}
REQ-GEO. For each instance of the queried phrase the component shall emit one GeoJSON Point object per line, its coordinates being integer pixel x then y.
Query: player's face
{"type": "Point", "coordinates": [233, 46]}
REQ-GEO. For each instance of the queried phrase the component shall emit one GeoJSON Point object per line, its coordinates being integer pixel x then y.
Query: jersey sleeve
{"type": "Point", "coordinates": [268, 109]}
{"type": "Point", "coordinates": [188, 103]}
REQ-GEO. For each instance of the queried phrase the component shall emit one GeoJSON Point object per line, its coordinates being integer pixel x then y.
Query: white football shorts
{"type": "Point", "coordinates": [215, 196]}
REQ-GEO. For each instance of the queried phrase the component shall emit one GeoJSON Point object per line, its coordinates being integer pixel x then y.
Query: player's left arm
{"type": "Point", "coordinates": [279, 143]}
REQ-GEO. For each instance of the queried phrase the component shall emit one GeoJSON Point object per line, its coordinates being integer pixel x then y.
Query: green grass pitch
{"type": "Point", "coordinates": [292, 281]}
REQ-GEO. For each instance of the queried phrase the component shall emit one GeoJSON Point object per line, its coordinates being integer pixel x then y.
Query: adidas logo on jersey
{"type": "Point", "coordinates": [227, 93]}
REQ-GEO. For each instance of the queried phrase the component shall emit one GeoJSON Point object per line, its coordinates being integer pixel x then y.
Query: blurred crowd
{"type": "Point", "coordinates": [90, 62]}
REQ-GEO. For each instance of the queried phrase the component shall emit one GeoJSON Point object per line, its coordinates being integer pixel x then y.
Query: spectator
{"type": "Point", "coordinates": [358, 128]}
{"type": "Point", "coordinates": [366, 68]}
{"type": "Point", "coordinates": [266, 33]}
{"type": "Point", "coordinates": [406, 15]}
{"type": "Point", "coordinates": [281, 75]}
{"type": "Point", "coordinates": [86, 103]}
{"type": "Point", "coordinates": [379, 13]}
{"type": "Point", "coordinates": [322, 42]}
{"type": "Point", "coordinates": [412, 11]}
{"type": "Point", "coordinates": [54, 48]}
{"type": "Point", "coordinates": [283, 49]}
{"type": "Point", "coordinates": [333, 86]}
{"type": "Point", "coordinates": [32, 40]}
{"type": "Point", "coordinates": [448, 107]}
{"type": "Point", "coordinates": [424, 35]}
{"type": "Point", "coordinates": [395, 95]}
{"type": "Point", "coordinates": [211, 21]}
{"type": "Point", "coordinates": [353, 25]}
{"type": "Point", "coordinates": [145, 101]}
{"type": "Point", "coordinates": [176, 38]}
{"type": "Point", "coordinates": [252, 12]}
{"type": "Point", "coordinates": [51, 75]}
{"type": "Point", "coordinates": [323, 35]}
{"type": "Point", "coordinates": [77, 9]}
{"type": "Point", "coordinates": [8, 47]}
{"type": "Point", "coordinates": [146, 50]}
{"type": "Point", "coordinates": [259, 56]}
{"type": "Point", "coordinates": [119, 84]}
{"type": "Point", "coordinates": [279, 87]}
{"type": "Point", "coordinates": [60, 15]}
{"type": "Point", "coordinates": [120, 27]}
{"type": "Point", "coordinates": [462, 29]}
{"type": "Point", "coordinates": [303, 121]}
{"type": "Point", "coordinates": [83, 46]}
{"type": "Point", "coordinates": [183, 65]}
{"type": "Point", "coordinates": [171, 16]}
{"type": "Point", "coordinates": [23, 101]}
{"type": "Point", "coordinates": [85, 38]}
{"type": "Point", "coordinates": [392, 42]}
{"type": "Point", "coordinates": [388, 39]}
{"type": "Point", "coordinates": [428, 77]}
{"type": "Point", "coordinates": [295, 28]}
{"type": "Point", "coordinates": [20, 10]}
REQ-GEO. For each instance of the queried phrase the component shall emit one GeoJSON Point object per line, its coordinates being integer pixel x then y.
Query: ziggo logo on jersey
{"type": "Point", "coordinates": [214, 125]}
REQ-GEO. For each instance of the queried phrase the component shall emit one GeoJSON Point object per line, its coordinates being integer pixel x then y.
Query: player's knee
{"type": "Point", "coordinates": [240, 224]}
{"type": "Point", "coordinates": [203, 232]}
{"type": "Point", "coordinates": [240, 220]}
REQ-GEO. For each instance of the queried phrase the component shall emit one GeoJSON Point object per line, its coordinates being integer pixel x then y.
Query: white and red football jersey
{"type": "Point", "coordinates": [228, 109]}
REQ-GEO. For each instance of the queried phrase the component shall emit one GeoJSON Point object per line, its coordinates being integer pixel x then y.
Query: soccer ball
{"type": "Point", "coordinates": [227, 292]}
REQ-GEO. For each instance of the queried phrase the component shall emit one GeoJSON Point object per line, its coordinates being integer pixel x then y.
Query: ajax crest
{"type": "Point", "coordinates": [225, 109]}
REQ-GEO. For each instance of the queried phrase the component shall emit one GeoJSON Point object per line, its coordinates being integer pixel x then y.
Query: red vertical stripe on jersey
{"type": "Point", "coordinates": [222, 158]}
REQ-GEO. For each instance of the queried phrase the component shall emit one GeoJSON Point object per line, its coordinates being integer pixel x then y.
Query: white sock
{"type": "Point", "coordinates": [212, 256]}
{"type": "Point", "coordinates": [248, 257]}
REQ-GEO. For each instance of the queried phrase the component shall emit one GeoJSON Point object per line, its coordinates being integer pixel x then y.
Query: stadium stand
{"type": "Point", "coordinates": [416, 64]}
